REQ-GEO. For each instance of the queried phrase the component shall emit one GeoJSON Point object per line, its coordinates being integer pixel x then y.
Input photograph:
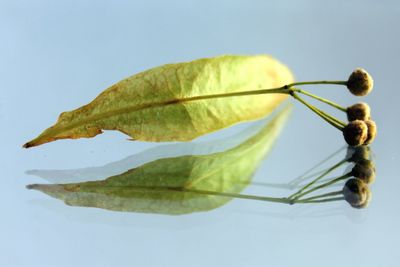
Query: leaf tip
{"type": "Point", "coordinates": [37, 141]}
{"type": "Point", "coordinates": [45, 188]}
{"type": "Point", "coordinates": [32, 186]}
{"type": "Point", "coordinates": [28, 145]}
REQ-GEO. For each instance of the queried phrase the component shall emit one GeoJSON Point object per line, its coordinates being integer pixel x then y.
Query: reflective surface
{"type": "Point", "coordinates": [57, 57]}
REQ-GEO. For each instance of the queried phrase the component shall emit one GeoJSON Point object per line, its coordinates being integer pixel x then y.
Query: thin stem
{"type": "Point", "coordinates": [321, 200]}
{"type": "Point", "coordinates": [320, 113]}
{"type": "Point", "coordinates": [337, 165]}
{"type": "Point", "coordinates": [283, 200]}
{"type": "Point", "coordinates": [342, 123]}
{"type": "Point", "coordinates": [234, 195]}
{"type": "Point", "coordinates": [343, 177]}
{"type": "Point", "coordinates": [326, 101]}
{"type": "Point", "coordinates": [260, 198]}
{"type": "Point", "coordinates": [277, 90]}
{"type": "Point", "coordinates": [282, 90]}
{"type": "Point", "coordinates": [335, 193]}
{"type": "Point", "coordinates": [304, 176]}
{"type": "Point", "coordinates": [339, 122]}
{"type": "Point", "coordinates": [318, 82]}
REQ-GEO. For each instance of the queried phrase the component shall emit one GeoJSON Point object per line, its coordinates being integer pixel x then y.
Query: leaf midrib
{"type": "Point", "coordinates": [57, 130]}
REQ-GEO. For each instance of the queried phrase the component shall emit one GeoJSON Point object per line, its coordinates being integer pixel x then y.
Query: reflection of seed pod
{"type": "Point", "coordinates": [356, 193]}
{"type": "Point", "coordinates": [355, 132]}
{"type": "Point", "coordinates": [371, 132]}
{"type": "Point", "coordinates": [359, 111]}
{"type": "Point", "coordinates": [364, 170]}
{"type": "Point", "coordinates": [360, 83]}
{"type": "Point", "coordinates": [358, 153]}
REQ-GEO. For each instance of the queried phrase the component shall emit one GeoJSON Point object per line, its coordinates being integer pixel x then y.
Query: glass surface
{"type": "Point", "coordinates": [58, 55]}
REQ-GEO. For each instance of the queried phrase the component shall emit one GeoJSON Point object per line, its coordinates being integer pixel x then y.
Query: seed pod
{"type": "Point", "coordinates": [371, 131]}
{"type": "Point", "coordinates": [355, 133]}
{"type": "Point", "coordinates": [356, 193]}
{"type": "Point", "coordinates": [359, 111]}
{"type": "Point", "coordinates": [360, 83]}
{"type": "Point", "coordinates": [358, 153]}
{"type": "Point", "coordinates": [364, 170]}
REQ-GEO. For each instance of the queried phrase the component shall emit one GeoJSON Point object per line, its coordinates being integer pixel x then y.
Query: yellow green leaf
{"type": "Point", "coordinates": [166, 104]}
{"type": "Point", "coordinates": [175, 185]}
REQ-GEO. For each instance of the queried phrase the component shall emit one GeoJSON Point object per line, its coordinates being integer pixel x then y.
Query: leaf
{"type": "Point", "coordinates": [162, 104]}
{"type": "Point", "coordinates": [173, 185]}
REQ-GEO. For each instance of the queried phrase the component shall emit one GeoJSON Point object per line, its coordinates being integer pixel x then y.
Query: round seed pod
{"type": "Point", "coordinates": [360, 83]}
{"type": "Point", "coordinates": [358, 153]}
{"type": "Point", "coordinates": [371, 132]}
{"type": "Point", "coordinates": [359, 111]}
{"type": "Point", "coordinates": [355, 133]}
{"type": "Point", "coordinates": [356, 193]}
{"type": "Point", "coordinates": [364, 170]}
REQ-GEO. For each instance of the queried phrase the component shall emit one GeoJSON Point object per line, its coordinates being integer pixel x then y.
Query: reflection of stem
{"type": "Point", "coordinates": [296, 183]}
{"type": "Point", "coordinates": [283, 200]}
{"type": "Point", "coordinates": [166, 189]}
{"type": "Point", "coordinates": [305, 175]}
{"type": "Point", "coordinates": [315, 199]}
{"type": "Point", "coordinates": [242, 196]}
{"type": "Point", "coordinates": [299, 193]}
{"type": "Point", "coordinates": [335, 193]}
{"type": "Point", "coordinates": [343, 177]}
{"type": "Point", "coordinates": [321, 200]}
{"type": "Point", "coordinates": [320, 183]}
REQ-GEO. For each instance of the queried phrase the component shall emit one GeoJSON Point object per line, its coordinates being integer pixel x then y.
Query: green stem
{"type": "Point", "coordinates": [343, 177]}
{"type": "Point", "coordinates": [337, 165]}
{"type": "Point", "coordinates": [326, 101]}
{"type": "Point", "coordinates": [335, 193]}
{"type": "Point", "coordinates": [337, 121]}
{"type": "Point", "coordinates": [278, 90]}
{"type": "Point", "coordinates": [306, 175]}
{"type": "Point", "coordinates": [260, 198]}
{"type": "Point", "coordinates": [332, 121]}
{"type": "Point", "coordinates": [283, 200]}
{"type": "Point", "coordinates": [321, 200]}
{"type": "Point", "coordinates": [318, 82]}
{"type": "Point", "coordinates": [234, 195]}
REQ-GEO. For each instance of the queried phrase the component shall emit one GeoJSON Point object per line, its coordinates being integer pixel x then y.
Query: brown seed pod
{"type": "Point", "coordinates": [355, 133]}
{"type": "Point", "coordinates": [359, 111]}
{"type": "Point", "coordinates": [371, 132]}
{"type": "Point", "coordinates": [364, 170]}
{"type": "Point", "coordinates": [356, 193]}
{"type": "Point", "coordinates": [360, 83]}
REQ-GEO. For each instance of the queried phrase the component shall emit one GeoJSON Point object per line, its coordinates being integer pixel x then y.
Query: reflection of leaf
{"type": "Point", "coordinates": [161, 105]}
{"type": "Point", "coordinates": [167, 185]}
{"type": "Point", "coordinates": [157, 152]}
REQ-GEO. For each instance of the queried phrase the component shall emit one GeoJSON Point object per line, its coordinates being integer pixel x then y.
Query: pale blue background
{"type": "Point", "coordinates": [58, 55]}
